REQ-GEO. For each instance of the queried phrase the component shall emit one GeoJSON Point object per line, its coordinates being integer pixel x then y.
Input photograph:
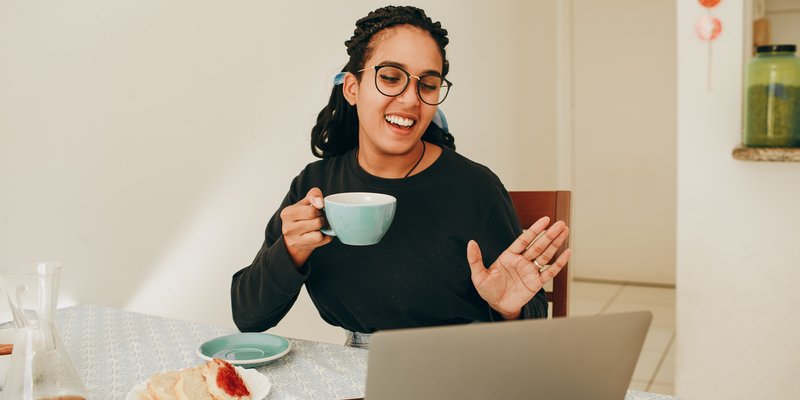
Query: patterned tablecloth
{"type": "Point", "coordinates": [114, 350]}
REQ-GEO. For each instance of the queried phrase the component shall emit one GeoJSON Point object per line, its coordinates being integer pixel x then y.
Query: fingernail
{"type": "Point", "coordinates": [317, 202]}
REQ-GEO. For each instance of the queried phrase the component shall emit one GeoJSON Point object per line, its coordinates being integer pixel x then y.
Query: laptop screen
{"type": "Point", "coordinates": [591, 357]}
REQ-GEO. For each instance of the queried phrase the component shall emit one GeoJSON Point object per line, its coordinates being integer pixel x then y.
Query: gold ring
{"type": "Point", "coordinates": [541, 267]}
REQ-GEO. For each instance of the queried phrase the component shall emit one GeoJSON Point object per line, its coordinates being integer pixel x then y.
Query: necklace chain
{"type": "Point", "coordinates": [418, 161]}
{"type": "Point", "coordinates": [421, 156]}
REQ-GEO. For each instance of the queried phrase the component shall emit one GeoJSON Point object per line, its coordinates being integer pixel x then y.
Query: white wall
{"type": "Point", "coordinates": [738, 233]}
{"type": "Point", "coordinates": [624, 149]}
{"type": "Point", "coordinates": [145, 144]}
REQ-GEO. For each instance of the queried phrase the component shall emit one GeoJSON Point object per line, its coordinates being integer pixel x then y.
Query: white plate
{"type": "Point", "coordinates": [257, 383]}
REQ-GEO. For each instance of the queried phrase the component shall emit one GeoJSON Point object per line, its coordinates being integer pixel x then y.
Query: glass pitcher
{"type": "Point", "coordinates": [40, 365]}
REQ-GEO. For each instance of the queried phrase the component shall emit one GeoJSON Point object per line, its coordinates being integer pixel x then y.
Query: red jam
{"type": "Point", "coordinates": [230, 381]}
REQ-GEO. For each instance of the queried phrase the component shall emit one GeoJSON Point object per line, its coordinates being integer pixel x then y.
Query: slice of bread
{"type": "Point", "coordinates": [192, 385]}
{"type": "Point", "coordinates": [144, 395]}
{"type": "Point", "coordinates": [161, 386]}
{"type": "Point", "coordinates": [224, 381]}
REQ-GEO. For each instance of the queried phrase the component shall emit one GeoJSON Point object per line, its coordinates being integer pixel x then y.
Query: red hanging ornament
{"type": "Point", "coordinates": [708, 27]}
{"type": "Point", "coordinates": [708, 3]}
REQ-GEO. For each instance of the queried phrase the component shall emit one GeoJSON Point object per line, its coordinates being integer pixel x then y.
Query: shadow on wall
{"type": "Point", "coordinates": [150, 159]}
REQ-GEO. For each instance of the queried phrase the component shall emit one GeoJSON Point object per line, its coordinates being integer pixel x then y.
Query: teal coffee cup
{"type": "Point", "coordinates": [359, 218]}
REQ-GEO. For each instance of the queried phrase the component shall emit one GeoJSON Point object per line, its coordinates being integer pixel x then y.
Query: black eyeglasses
{"type": "Point", "coordinates": [392, 81]}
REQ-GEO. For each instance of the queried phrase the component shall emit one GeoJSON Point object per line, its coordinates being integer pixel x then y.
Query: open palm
{"type": "Point", "coordinates": [514, 278]}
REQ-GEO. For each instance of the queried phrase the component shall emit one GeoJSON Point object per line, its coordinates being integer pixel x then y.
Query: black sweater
{"type": "Point", "coordinates": [417, 275]}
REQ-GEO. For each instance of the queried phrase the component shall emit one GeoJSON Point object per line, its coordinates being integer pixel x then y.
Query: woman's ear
{"type": "Point", "coordinates": [350, 88]}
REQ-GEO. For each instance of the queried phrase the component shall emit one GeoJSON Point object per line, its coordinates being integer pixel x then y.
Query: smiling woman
{"type": "Point", "coordinates": [405, 34]}
{"type": "Point", "coordinates": [392, 119]}
{"type": "Point", "coordinates": [159, 115]}
{"type": "Point", "coordinates": [375, 135]}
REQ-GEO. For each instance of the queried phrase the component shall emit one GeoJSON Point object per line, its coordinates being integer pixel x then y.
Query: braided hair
{"type": "Point", "coordinates": [336, 130]}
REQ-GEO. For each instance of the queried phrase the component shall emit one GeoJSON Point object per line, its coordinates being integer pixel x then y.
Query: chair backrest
{"type": "Point", "coordinates": [531, 206]}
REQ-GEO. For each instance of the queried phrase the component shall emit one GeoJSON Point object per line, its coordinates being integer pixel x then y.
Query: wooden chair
{"type": "Point", "coordinates": [531, 206]}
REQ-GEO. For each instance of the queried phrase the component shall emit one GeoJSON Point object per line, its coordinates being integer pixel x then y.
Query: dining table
{"type": "Point", "coordinates": [115, 350]}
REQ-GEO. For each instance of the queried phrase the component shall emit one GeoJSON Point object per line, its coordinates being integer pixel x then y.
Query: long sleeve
{"type": "Point", "coordinates": [418, 275]}
{"type": "Point", "coordinates": [501, 229]}
{"type": "Point", "coordinates": [262, 293]}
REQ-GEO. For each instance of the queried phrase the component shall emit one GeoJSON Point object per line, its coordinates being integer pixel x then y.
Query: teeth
{"type": "Point", "coordinates": [398, 120]}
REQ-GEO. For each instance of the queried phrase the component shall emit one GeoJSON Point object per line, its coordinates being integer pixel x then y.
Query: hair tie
{"type": "Point", "coordinates": [440, 120]}
{"type": "Point", "coordinates": [338, 79]}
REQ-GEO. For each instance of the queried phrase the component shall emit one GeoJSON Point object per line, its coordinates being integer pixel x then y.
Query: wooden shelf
{"type": "Point", "coordinates": [791, 154]}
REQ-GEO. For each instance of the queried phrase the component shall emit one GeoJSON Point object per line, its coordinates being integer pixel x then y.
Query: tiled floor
{"type": "Point", "coordinates": [655, 371]}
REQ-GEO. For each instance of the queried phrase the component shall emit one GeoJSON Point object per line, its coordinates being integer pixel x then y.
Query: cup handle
{"type": "Point", "coordinates": [327, 230]}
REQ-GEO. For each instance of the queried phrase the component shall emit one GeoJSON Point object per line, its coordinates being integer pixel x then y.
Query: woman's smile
{"type": "Point", "coordinates": [402, 124]}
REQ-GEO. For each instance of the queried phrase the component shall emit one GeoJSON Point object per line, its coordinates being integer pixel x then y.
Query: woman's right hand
{"type": "Point", "coordinates": [301, 224]}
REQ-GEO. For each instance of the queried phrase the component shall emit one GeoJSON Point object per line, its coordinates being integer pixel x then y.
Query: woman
{"type": "Point", "coordinates": [376, 135]}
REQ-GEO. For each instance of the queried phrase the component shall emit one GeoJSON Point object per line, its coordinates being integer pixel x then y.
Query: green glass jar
{"type": "Point", "coordinates": [772, 98]}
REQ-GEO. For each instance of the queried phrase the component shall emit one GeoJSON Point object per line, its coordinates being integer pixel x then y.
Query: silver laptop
{"type": "Point", "coordinates": [590, 357]}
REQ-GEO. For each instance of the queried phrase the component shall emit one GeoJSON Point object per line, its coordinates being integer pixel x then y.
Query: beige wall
{"type": "Point", "coordinates": [783, 17]}
{"type": "Point", "coordinates": [737, 269]}
{"type": "Point", "coordinates": [146, 143]}
{"type": "Point", "coordinates": [624, 148]}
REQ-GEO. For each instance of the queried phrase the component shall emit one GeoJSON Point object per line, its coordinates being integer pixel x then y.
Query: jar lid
{"type": "Point", "coordinates": [776, 48]}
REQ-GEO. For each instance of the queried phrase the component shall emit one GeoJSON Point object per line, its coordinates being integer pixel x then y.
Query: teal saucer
{"type": "Point", "coordinates": [248, 350]}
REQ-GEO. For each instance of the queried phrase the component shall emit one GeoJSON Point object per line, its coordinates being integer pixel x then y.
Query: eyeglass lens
{"type": "Point", "coordinates": [392, 81]}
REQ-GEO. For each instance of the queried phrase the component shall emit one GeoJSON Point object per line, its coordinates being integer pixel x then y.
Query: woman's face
{"type": "Point", "coordinates": [415, 51]}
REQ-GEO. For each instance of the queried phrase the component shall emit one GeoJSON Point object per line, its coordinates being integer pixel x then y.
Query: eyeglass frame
{"type": "Point", "coordinates": [408, 80]}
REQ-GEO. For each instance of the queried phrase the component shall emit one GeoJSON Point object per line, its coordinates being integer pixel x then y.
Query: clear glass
{"type": "Point", "coordinates": [40, 365]}
{"type": "Point", "coordinates": [772, 100]}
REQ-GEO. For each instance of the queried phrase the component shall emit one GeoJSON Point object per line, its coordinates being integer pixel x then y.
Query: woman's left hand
{"type": "Point", "coordinates": [514, 278]}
